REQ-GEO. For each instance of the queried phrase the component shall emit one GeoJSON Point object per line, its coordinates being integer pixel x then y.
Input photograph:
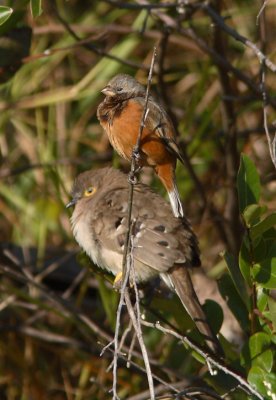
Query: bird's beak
{"type": "Point", "coordinates": [107, 91]}
{"type": "Point", "coordinates": [71, 203]}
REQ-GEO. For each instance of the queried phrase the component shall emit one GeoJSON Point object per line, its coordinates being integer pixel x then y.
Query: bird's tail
{"type": "Point", "coordinates": [176, 202]}
{"type": "Point", "coordinates": [167, 176]}
{"type": "Point", "coordinates": [181, 281]}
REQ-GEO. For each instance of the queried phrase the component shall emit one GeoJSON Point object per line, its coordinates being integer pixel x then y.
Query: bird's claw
{"type": "Point", "coordinates": [117, 283]}
{"type": "Point", "coordinates": [132, 178]}
{"type": "Point", "coordinates": [136, 154]}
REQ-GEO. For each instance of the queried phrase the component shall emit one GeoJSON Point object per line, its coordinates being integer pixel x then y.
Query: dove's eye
{"type": "Point", "coordinates": [89, 191]}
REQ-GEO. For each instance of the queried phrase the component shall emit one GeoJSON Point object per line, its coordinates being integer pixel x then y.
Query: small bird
{"type": "Point", "coordinates": [120, 115]}
{"type": "Point", "coordinates": [163, 245]}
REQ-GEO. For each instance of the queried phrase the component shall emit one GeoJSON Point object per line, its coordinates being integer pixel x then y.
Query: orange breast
{"type": "Point", "coordinates": [123, 135]}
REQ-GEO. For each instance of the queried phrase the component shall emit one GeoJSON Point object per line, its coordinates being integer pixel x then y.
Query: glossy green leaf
{"type": "Point", "coordinates": [5, 13]}
{"type": "Point", "coordinates": [272, 311]}
{"type": "Point", "coordinates": [264, 273]}
{"type": "Point", "coordinates": [214, 314]}
{"type": "Point", "coordinates": [263, 382]}
{"type": "Point", "coordinates": [244, 263]}
{"type": "Point", "coordinates": [252, 214]}
{"type": "Point", "coordinates": [259, 249]}
{"type": "Point", "coordinates": [263, 226]}
{"type": "Point", "coordinates": [260, 352]}
{"type": "Point", "coordinates": [230, 295]}
{"type": "Point", "coordinates": [271, 248]}
{"type": "Point", "coordinates": [262, 298]}
{"type": "Point", "coordinates": [36, 8]}
{"type": "Point", "coordinates": [248, 183]}
{"type": "Point", "coordinates": [237, 278]}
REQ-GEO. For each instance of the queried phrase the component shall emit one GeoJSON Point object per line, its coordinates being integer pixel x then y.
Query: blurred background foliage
{"type": "Point", "coordinates": [55, 315]}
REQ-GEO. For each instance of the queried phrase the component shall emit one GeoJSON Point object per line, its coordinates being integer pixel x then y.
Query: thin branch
{"type": "Point", "coordinates": [117, 330]}
{"type": "Point", "coordinates": [144, 6]}
{"type": "Point", "coordinates": [127, 245]}
{"type": "Point", "coordinates": [93, 47]}
{"type": "Point", "coordinates": [270, 139]}
{"type": "Point", "coordinates": [125, 334]}
{"type": "Point", "coordinates": [136, 321]}
{"type": "Point", "coordinates": [231, 32]}
{"type": "Point", "coordinates": [165, 384]}
{"type": "Point", "coordinates": [232, 224]}
{"type": "Point", "coordinates": [209, 358]}
{"type": "Point", "coordinates": [261, 11]}
{"type": "Point", "coordinates": [128, 259]}
{"type": "Point", "coordinates": [216, 57]}
{"type": "Point", "coordinates": [10, 267]}
{"type": "Point", "coordinates": [218, 20]}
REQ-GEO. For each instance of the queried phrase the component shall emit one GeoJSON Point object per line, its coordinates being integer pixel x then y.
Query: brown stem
{"type": "Point", "coordinates": [231, 212]}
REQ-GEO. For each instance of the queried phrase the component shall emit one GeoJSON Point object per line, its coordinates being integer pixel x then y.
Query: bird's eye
{"type": "Point", "coordinates": [89, 191]}
{"type": "Point", "coordinates": [119, 89]}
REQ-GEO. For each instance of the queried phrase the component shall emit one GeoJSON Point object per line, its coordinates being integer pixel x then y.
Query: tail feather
{"type": "Point", "coordinates": [176, 202]}
{"type": "Point", "coordinates": [181, 281]}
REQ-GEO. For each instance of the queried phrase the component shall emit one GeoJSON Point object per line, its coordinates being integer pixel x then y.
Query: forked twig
{"type": "Point", "coordinates": [270, 139]}
{"type": "Point", "coordinates": [244, 385]}
{"type": "Point", "coordinates": [127, 260]}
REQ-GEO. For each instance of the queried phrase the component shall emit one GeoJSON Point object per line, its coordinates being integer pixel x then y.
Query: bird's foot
{"type": "Point", "coordinates": [132, 178]}
{"type": "Point", "coordinates": [136, 154]}
{"type": "Point", "coordinates": [118, 280]}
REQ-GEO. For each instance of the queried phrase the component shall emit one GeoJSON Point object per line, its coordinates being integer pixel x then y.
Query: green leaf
{"type": "Point", "coordinates": [36, 8]}
{"type": "Point", "coordinates": [245, 262]}
{"type": "Point", "coordinates": [229, 293]}
{"type": "Point", "coordinates": [237, 278]}
{"type": "Point", "coordinates": [259, 249]}
{"type": "Point", "coordinates": [263, 382]}
{"type": "Point", "coordinates": [5, 13]}
{"type": "Point", "coordinates": [214, 314]}
{"type": "Point", "coordinates": [260, 353]}
{"type": "Point", "coordinates": [110, 301]}
{"type": "Point", "coordinates": [263, 226]}
{"type": "Point", "coordinates": [264, 273]}
{"type": "Point", "coordinates": [272, 311]}
{"type": "Point", "coordinates": [262, 298]}
{"type": "Point", "coordinates": [252, 214]}
{"type": "Point", "coordinates": [248, 183]}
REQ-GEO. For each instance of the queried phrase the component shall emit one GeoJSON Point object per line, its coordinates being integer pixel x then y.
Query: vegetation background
{"type": "Point", "coordinates": [213, 76]}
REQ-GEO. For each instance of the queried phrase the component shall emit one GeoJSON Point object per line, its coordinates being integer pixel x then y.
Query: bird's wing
{"type": "Point", "coordinates": [159, 122]}
{"type": "Point", "coordinates": [159, 240]}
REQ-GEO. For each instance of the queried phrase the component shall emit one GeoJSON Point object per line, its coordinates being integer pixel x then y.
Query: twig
{"type": "Point", "coordinates": [145, 6]}
{"type": "Point", "coordinates": [161, 389]}
{"type": "Point", "coordinates": [131, 347]}
{"type": "Point", "coordinates": [145, 111]}
{"type": "Point", "coordinates": [127, 245]}
{"type": "Point", "coordinates": [270, 140]}
{"type": "Point", "coordinates": [261, 11]}
{"type": "Point", "coordinates": [142, 369]}
{"type": "Point", "coordinates": [205, 204]}
{"type": "Point", "coordinates": [218, 364]}
{"type": "Point", "coordinates": [137, 326]}
{"type": "Point", "coordinates": [216, 57]}
{"type": "Point", "coordinates": [127, 260]}
{"type": "Point", "coordinates": [10, 267]}
{"type": "Point", "coordinates": [231, 32]}
{"type": "Point", "coordinates": [193, 392]}
{"type": "Point", "coordinates": [92, 47]}
{"type": "Point", "coordinates": [232, 224]}
{"type": "Point", "coordinates": [125, 334]}
{"type": "Point", "coordinates": [117, 330]}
